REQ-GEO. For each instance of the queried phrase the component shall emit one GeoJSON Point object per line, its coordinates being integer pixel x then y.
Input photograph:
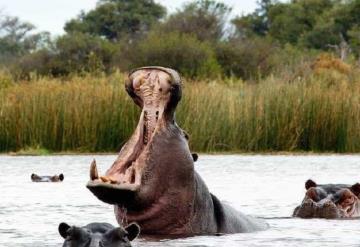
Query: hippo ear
{"type": "Point", "coordinates": [186, 135]}
{"type": "Point", "coordinates": [133, 231]}
{"type": "Point", "coordinates": [61, 177]}
{"type": "Point", "coordinates": [309, 184]}
{"type": "Point", "coordinates": [63, 229]}
{"type": "Point", "coordinates": [356, 189]}
{"type": "Point", "coordinates": [195, 156]}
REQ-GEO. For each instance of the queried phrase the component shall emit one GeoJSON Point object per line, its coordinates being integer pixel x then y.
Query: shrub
{"type": "Point", "coordinates": [246, 58]}
{"type": "Point", "coordinates": [39, 62]}
{"type": "Point", "coordinates": [327, 62]}
{"type": "Point", "coordinates": [182, 52]}
{"type": "Point", "coordinates": [78, 52]}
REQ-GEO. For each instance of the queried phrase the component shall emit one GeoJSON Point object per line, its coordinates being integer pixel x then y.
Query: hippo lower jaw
{"type": "Point", "coordinates": [108, 189]}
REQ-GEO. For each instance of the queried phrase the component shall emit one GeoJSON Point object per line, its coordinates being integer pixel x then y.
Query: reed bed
{"type": "Point", "coordinates": [319, 113]}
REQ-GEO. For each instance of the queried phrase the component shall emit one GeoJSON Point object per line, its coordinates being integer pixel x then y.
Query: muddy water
{"type": "Point", "coordinates": [263, 186]}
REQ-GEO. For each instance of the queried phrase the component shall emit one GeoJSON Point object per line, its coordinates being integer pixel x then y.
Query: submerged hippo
{"type": "Point", "coordinates": [153, 181]}
{"type": "Point", "coordinates": [55, 178]}
{"type": "Point", "coordinates": [329, 201]}
{"type": "Point", "coordinates": [98, 235]}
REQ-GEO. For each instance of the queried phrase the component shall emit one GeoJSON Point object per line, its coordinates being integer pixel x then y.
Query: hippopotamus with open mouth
{"type": "Point", "coordinates": [153, 181]}
{"type": "Point", "coordinates": [55, 178]}
{"type": "Point", "coordinates": [330, 201]}
{"type": "Point", "coordinates": [98, 235]}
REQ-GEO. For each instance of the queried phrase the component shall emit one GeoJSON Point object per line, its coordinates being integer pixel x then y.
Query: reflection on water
{"type": "Point", "coordinates": [264, 186]}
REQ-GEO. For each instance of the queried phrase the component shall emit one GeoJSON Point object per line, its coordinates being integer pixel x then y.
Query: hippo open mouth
{"type": "Point", "coordinates": [157, 91]}
{"type": "Point", "coordinates": [330, 201]}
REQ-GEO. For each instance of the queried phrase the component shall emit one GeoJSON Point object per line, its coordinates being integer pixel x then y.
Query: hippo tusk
{"type": "Point", "coordinates": [93, 171]}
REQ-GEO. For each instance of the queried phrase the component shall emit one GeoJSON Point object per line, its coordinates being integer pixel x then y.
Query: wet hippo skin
{"type": "Point", "coordinates": [98, 235]}
{"type": "Point", "coordinates": [330, 201]}
{"type": "Point", "coordinates": [153, 181]}
{"type": "Point", "coordinates": [55, 178]}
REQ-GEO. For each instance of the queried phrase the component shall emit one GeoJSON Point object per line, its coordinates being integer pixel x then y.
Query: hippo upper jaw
{"type": "Point", "coordinates": [157, 90]}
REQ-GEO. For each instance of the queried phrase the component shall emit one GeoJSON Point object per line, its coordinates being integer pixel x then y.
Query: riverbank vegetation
{"type": "Point", "coordinates": [316, 111]}
{"type": "Point", "coordinates": [283, 78]}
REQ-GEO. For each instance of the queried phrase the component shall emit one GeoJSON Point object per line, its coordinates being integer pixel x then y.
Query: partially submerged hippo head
{"type": "Point", "coordinates": [55, 178]}
{"type": "Point", "coordinates": [329, 201]}
{"type": "Point", "coordinates": [98, 235]}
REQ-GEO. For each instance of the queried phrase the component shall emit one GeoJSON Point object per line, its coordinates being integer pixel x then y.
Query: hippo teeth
{"type": "Point", "coordinates": [93, 171]}
{"type": "Point", "coordinates": [107, 179]}
{"type": "Point", "coordinates": [94, 175]}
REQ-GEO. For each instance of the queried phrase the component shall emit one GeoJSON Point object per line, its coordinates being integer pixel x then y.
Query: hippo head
{"type": "Point", "coordinates": [98, 235]}
{"type": "Point", "coordinates": [55, 178]}
{"type": "Point", "coordinates": [158, 149]}
{"type": "Point", "coordinates": [329, 201]}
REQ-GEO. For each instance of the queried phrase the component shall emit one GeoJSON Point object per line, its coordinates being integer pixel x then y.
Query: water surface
{"type": "Point", "coordinates": [263, 186]}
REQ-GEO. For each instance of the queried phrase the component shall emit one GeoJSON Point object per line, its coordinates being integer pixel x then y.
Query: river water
{"type": "Point", "coordinates": [260, 185]}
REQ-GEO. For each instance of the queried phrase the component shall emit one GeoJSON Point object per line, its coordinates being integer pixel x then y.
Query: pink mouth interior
{"type": "Point", "coordinates": [153, 88]}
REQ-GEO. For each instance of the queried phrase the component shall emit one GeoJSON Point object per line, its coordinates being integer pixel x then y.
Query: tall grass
{"type": "Point", "coordinates": [83, 114]}
{"type": "Point", "coordinates": [320, 112]}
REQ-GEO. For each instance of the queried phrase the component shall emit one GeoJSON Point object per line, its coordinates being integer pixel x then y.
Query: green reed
{"type": "Point", "coordinates": [94, 114]}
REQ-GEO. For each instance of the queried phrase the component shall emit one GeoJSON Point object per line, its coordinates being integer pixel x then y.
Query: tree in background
{"type": "Point", "coordinates": [205, 19]}
{"type": "Point", "coordinates": [83, 52]}
{"type": "Point", "coordinates": [313, 24]}
{"type": "Point", "coordinates": [75, 53]}
{"type": "Point", "coordinates": [354, 35]}
{"type": "Point", "coordinates": [254, 23]}
{"type": "Point", "coordinates": [196, 39]}
{"type": "Point", "coordinates": [17, 38]}
{"type": "Point", "coordinates": [118, 19]}
{"type": "Point", "coordinates": [291, 21]}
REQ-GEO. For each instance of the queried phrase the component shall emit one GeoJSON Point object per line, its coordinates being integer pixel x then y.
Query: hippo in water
{"type": "Point", "coordinates": [330, 201]}
{"type": "Point", "coordinates": [153, 181]}
{"type": "Point", "coordinates": [55, 178]}
{"type": "Point", "coordinates": [98, 235]}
